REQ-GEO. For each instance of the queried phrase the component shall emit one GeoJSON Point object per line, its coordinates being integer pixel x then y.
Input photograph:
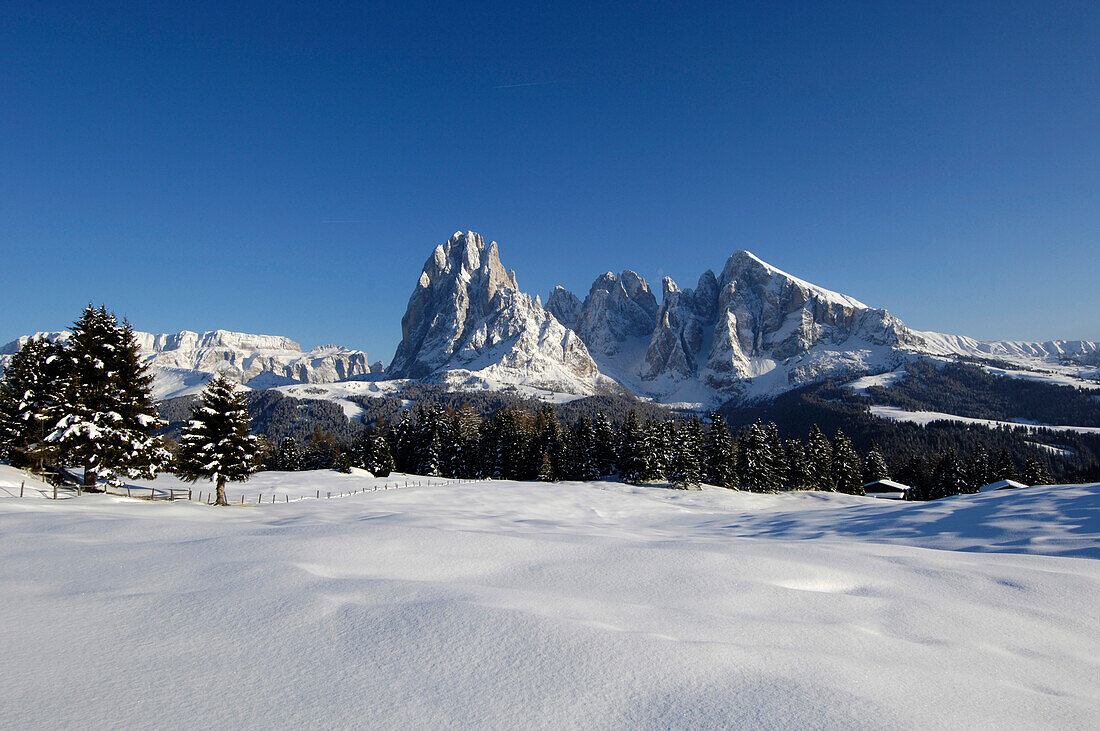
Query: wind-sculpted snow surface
{"type": "Point", "coordinates": [520, 605]}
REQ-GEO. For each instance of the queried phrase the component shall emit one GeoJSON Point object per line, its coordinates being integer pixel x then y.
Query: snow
{"type": "Point", "coordinates": [1002, 485]}
{"type": "Point", "coordinates": [882, 380]}
{"type": "Point", "coordinates": [565, 605]}
{"type": "Point", "coordinates": [927, 417]}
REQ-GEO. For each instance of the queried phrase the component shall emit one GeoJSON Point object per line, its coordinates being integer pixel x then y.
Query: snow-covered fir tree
{"type": "Point", "coordinates": [607, 453]}
{"type": "Point", "coordinates": [846, 466]}
{"type": "Point", "coordinates": [1005, 468]}
{"type": "Point", "coordinates": [978, 472]}
{"type": "Point", "coordinates": [685, 469]}
{"type": "Point", "coordinates": [583, 452]}
{"type": "Point", "coordinates": [216, 444]}
{"type": "Point", "coordinates": [819, 459]}
{"type": "Point", "coordinates": [799, 475]}
{"type": "Point", "coordinates": [752, 458]}
{"type": "Point", "coordinates": [776, 456]}
{"type": "Point", "coordinates": [29, 393]}
{"type": "Point", "coordinates": [289, 457]}
{"type": "Point", "coordinates": [720, 454]}
{"type": "Point", "coordinates": [947, 477]}
{"type": "Point", "coordinates": [633, 460]}
{"type": "Point", "coordinates": [874, 466]}
{"type": "Point", "coordinates": [107, 420]}
{"type": "Point", "coordinates": [1035, 472]}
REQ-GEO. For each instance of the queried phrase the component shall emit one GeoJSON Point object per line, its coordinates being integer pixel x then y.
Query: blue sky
{"type": "Point", "coordinates": [288, 168]}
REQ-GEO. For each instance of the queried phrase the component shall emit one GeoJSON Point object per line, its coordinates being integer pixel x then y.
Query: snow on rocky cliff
{"type": "Point", "coordinates": [755, 331]}
{"type": "Point", "coordinates": [467, 324]}
{"type": "Point", "coordinates": [183, 362]}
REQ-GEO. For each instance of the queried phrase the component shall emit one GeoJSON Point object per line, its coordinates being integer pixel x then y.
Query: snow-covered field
{"type": "Point", "coordinates": [564, 605]}
{"type": "Point", "coordinates": [927, 417]}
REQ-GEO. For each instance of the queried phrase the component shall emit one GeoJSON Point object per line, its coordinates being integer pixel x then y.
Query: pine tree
{"type": "Point", "coordinates": [216, 444]}
{"type": "Point", "coordinates": [753, 460]}
{"type": "Point", "coordinates": [584, 458]}
{"type": "Point", "coordinates": [720, 454]}
{"type": "Point", "coordinates": [776, 456]}
{"type": "Point", "coordinates": [819, 459]}
{"type": "Point", "coordinates": [977, 473]}
{"type": "Point", "coordinates": [289, 457]}
{"type": "Point", "coordinates": [343, 463]}
{"type": "Point", "coordinates": [633, 461]}
{"type": "Point", "coordinates": [1005, 468]}
{"type": "Point", "coordinates": [874, 466]}
{"type": "Point", "coordinates": [105, 424]}
{"type": "Point", "coordinates": [321, 450]}
{"type": "Point", "coordinates": [607, 453]}
{"type": "Point", "coordinates": [846, 466]}
{"type": "Point", "coordinates": [29, 393]}
{"type": "Point", "coordinates": [1035, 472]}
{"type": "Point", "coordinates": [798, 469]}
{"type": "Point", "coordinates": [947, 478]}
{"type": "Point", "coordinates": [914, 473]}
{"type": "Point", "coordinates": [685, 467]}
{"type": "Point", "coordinates": [546, 469]}
{"type": "Point", "coordinates": [381, 458]}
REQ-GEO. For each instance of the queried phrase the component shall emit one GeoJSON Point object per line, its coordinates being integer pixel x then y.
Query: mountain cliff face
{"type": "Point", "coordinates": [467, 323]}
{"type": "Point", "coordinates": [182, 362]}
{"type": "Point", "coordinates": [754, 330]}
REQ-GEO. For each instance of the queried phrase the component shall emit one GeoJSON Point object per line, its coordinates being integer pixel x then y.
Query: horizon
{"type": "Point", "coordinates": [288, 171]}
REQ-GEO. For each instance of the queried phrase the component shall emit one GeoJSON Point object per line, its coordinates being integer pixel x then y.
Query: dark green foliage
{"type": "Point", "coordinates": [685, 464]}
{"type": "Point", "coordinates": [343, 463]}
{"type": "Point", "coordinates": [217, 444]}
{"type": "Point", "coordinates": [289, 458]}
{"type": "Point", "coordinates": [947, 478]}
{"type": "Point", "coordinates": [847, 470]}
{"type": "Point", "coordinates": [1035, 473]}
{"type": "Point", "coordinates": [105, 415]}
{"type": "Point", "coordinates": [584, 461]}
{"type": "Point", "coordinates": [29, 393]}
{"type": "Point", "coordinates": [633, 459]}
{"type": "Point", "coordinates": [720, 454]}
{"type": "Point", "coordinates": [967, 390]}
{"type": "Point", "coordinates": [753, 462]}
{"type": "Point", "coordinates": [607, 453]}
{"type": "Point", "coordinates": [819, 459]}
{"type": "Point", "coordinates": [874, 466]}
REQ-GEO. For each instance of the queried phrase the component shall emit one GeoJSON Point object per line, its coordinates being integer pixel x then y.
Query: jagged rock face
{"type": "Point", "coordinates": [467, 313]}
{"type": "Point", "coordinates": [246, 357]}
{"type": "Point", "coordinates": [179, 361]}
{"type": "Point", "coordinates": [683, 321]}
{"type": "Point", "coordinates": [616, 309]}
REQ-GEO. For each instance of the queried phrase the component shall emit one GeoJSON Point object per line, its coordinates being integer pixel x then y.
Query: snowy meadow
{"type": "Point", "coordinates": [507, 604]}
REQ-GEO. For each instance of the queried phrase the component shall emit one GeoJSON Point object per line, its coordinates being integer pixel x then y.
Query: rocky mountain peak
{"type": "Point", "coordinates": [467, 314]}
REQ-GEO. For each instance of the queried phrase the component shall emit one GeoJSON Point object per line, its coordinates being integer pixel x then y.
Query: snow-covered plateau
{"type": "Point", "coordinates": [524, 605]}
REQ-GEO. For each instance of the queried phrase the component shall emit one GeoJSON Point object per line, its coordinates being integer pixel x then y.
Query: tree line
{"type": "Point", "coordinates": [87, 401]}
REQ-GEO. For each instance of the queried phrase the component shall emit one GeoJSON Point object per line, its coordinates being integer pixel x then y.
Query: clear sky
{"type": "Point", "coordinates": [288, 168]}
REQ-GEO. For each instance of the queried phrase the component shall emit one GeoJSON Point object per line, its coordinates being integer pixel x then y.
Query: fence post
{"type": "Point", "coordinates": [329, 496]}
{"type": "Point", "coordinates": [318, 494]}
{"type": "Point", "coordinates": [189, 494]}
{"type": "Point", "coordinates": [55, 492]}
{"type": "Point", "coordinates": [24, 484]}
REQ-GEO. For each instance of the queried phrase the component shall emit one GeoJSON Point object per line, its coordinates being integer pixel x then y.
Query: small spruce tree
{"type": "Point", "coordinates": [216, 444]}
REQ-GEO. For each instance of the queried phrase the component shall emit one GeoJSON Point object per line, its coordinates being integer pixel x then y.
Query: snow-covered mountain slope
{"type": "Point", "coordinates": [183, 362]}
{"type": "Point", "coordinates": [569, 605]}
{"type": "Point", "coordinates": [468, 325]}
{"type": "Point", "coordinates": [755, 330]}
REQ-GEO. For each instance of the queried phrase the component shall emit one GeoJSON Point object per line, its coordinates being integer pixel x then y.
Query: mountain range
{"type": "Point", "coordinates": [748, 332]}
